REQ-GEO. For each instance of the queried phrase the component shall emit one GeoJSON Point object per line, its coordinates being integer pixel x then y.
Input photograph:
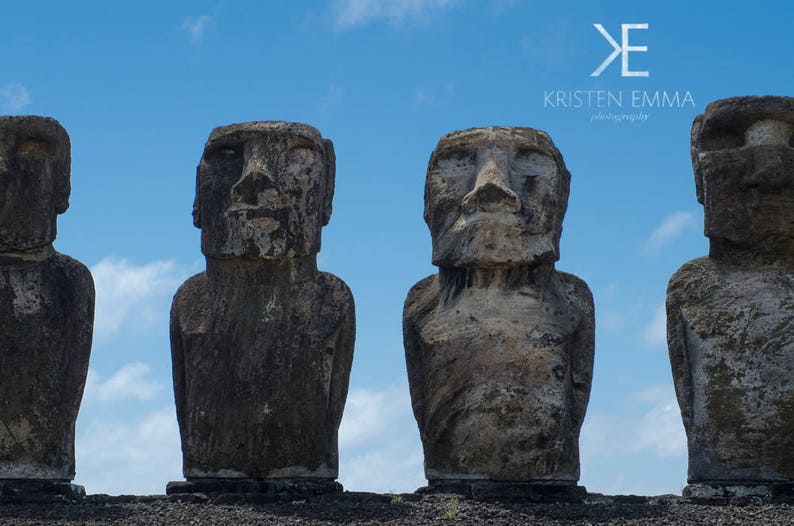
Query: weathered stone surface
{"type": "Point", "coordinates": [46, 306]}
{"type": "Point", "coordinates": [538, 491]}
{"type": "Point", "coordinates": [262, 342]}
{"type": "Point", "coordinates": [35, 163]}
{"type": "Point", "coordinates": [498, 344]}
{"type": "Point", "coordinates": [730, 316]}
{"type": "Point", "coordinates": [39, 491]}
{"type": "Point", "coordinates": [281, 195]}
{"type": "Point", "coordinates": [273, 487]}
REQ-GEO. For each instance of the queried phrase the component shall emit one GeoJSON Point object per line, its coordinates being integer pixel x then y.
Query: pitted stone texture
{"type": "Point", "coordinates": [499, 350]}
{"type": "Point", "coordinates": [743, 158]}
{"type": "Point", "coordinates": [275, 487]}
{"type": "Point", "coordinates": [730, 316]}
{"type": "Point", "coordinates": [495, 197]}
{"type": "Point", "coordinates": [39, 491]}
{"type": "Point", "coordinates": [46, 306]}
{"type": "Point", "coordinates": [262, 344]}
{"type": "Point", "coordinates": [259, 188]}
{"type": "Point", "coordinates": [34, 181]}
{"type": "Point", "coordinates": [489, 489]}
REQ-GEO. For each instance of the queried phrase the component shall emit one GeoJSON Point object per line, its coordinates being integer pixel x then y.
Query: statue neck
{"type": "Point", "coordinates": [27, 256]}
{"type": "Point", "coordinates": [779, 251]}
{"type": "Point", "coordinates": [498, 278]}
{"type": "Point", "coordinates": [240, 272]}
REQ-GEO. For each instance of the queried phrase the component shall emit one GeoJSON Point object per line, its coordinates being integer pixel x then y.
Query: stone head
{"type": "Point", "coordinates": [495, 197]}
{"type": "Point", "coordinates": [35, 164]}
{"type": "Point", "coordinates": [743, 157]}
{"type": "Point", "coordinates": [264, 190]}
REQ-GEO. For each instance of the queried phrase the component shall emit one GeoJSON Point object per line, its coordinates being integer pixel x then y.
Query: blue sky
{"type": "Point", "coordinates": [139, 86]}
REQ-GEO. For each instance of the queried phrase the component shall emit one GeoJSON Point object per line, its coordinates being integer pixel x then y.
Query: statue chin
{"type": "Point", "coordinates": [257, 243]}
{"type": "Point", "coordinates": [496, 252]}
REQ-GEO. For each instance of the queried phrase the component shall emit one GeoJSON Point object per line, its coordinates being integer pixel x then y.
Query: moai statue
{"type": "Point", "coordinates": [730, 316]}
{"type": "Point", "coordinates": [46, 314]}
{"type": "Point", "coordinates": [499, 344]}
{"type": "Point", "coordinates": [262, 342]}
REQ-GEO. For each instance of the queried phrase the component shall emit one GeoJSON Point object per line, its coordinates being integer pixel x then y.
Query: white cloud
{"type": "Point", "coordinates": [126, 291]}
{"type": "Point", "coordinates": [660, 430]}
{"type": "Point", "coordinates": [655, 333]}
{"type": "Point", "coordinates": [130, 457]}
{"type": "Point", "coordinates": [379, 447]}
{"type": "Point", "coordinates": [670, 228]}
{"type": "Point", "coordinates": [617, 450]}
{"type": "Point", "coordinates": [131, 381]}
{"type": "Point", "coordinates": [14, 97]}
{"type": "Point", "coordinates": [379, 442]}
{"type": "Point", "coordinates": [352, 13]}
{"type": "Point", "coordinates": [197, 26]}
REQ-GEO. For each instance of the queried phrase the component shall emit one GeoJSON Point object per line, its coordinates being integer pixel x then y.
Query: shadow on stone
{"type": "Point", "coordinates": [489, 489]}
{"type": "Point", "coordinates": [31, 491]}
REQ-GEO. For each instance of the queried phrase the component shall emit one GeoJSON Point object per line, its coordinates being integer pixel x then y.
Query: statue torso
{"type": "Point", "coordinates": [497, 372]}
{"type": "Point", "coordinates": [46, 321]}
{"type": "Point", "coordinates": [260, 367]}
{"type": "Point", "coordinates": [738, 330]}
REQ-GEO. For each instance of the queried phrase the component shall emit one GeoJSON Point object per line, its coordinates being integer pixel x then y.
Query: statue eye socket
{"type": "Point", "coordinates": [456, 162]}
{"type": "Point", "coordinates": [34, 147]}
{"type": "Point", "coordinates": [722, 140]}
{"type": "Point", "coordinates": [303, 153]}
{"type": "Point", "coordinates": [529, 163]}
{"type": "Point", "coordinates": [226, 152]}
{"type": "Point", "coordinates": [223, 154]}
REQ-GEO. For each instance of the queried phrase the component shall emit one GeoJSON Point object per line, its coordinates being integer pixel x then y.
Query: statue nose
{"type": "Point", "coordinates": [771, 167]}
{"type": "Point", "coordinates": [491, 192]}
{"type": "Point", "coordinates": [253, 184]}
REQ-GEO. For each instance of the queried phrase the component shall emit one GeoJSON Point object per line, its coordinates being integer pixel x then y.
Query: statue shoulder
{"type": "Point", "coordinates": [335, 290]}
{"type": "Point", "coordinates": [191, 292]}
{"type": "Point", "coordinates": [577, 291]}
{"type": "Point", "coordinates": [693, 279]}
{"type": "Point", "coordinates": [73, 272]}
{"type": "Point", "coordinates": [421, 297]}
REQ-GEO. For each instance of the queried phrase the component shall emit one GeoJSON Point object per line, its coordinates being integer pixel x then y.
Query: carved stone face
{"type": "Point", "coordinates": [264, 190]}
{"type": "Point", "coordinates": [743, 157]}
{"type": "Point", "coordinates": [495, 197]}
{"type": "Point", "coordinates": [34, 181]}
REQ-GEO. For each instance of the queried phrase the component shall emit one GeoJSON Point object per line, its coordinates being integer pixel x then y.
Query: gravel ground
{"type": "Point", "coordinates": [406, 509]}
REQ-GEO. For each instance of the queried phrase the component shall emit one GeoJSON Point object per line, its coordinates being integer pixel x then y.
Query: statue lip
{"type": "Point", "coordinates": [253, 210]}
{"type": "Point", "coordinates": [506, 218]}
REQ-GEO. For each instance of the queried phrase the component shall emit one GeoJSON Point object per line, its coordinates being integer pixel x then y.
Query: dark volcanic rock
{"type": "Point", "coordinates": [434, 509]}
{"type": "Point", "coordinates": [730, 316]}
{"type": "Point", "coordinates": [262, 342]}
{"type": "Point", "coordinates": [498, 344]}
{"type": "Point", "coordinates": [46, 311]}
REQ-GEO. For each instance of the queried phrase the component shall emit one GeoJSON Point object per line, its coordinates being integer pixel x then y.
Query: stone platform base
{"type": "Point", "coordinates": [727, 491]}
{"type": "Point", "coordinates": [20, 490]}
{"type": "Point", "coordinates": [489, 489]}
{"type": "Point", "coordinates": [281, 487]}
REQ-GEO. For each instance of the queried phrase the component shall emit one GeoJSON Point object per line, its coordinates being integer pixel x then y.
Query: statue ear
{"type": "Point", "coordinates": [330, 180]}
{"type": "Point", "coordinates": [426, 213]}
{"type": "Point", "coordinates": [197, 202]}
{"type": "Point", "coordinates": [694, 141]}
{"type": "Point", "coordinates": [62, 186]}
{"type": "Point", "coordinates": [62, 195]}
